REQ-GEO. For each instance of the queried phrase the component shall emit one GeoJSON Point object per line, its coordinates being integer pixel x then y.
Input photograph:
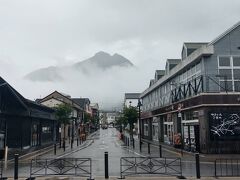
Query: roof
{"type": "Point", "coordinates": [94, 105]}
{"type": "Point", "coordinates": [29, 105]}
{"type": "Point", "coordinates": [132, 95]}
{"type": "Point", "coordinates": [225, 33]}
{"type": "Point", "coordinates": [66, 100]}
{"type": "Point", "coordinates": [152, 81]}
{"type": "Point", "coordinates": [81, 101]}
{"type": "Point", "coordinates": [160, 72]}
{"type": "Point", "coordinates": [35, 104]}
{"type": "Point", "coordinates": [206, 50]}
{"type": "Point", "coordinates": [194, 45]}
{"type": "Point", "coordinates": [173, 61]}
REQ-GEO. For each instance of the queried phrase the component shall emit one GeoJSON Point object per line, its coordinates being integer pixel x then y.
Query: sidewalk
{"type": "Point", "coordinates": [170, 151]}
{"type": "Point", "coordinates": [60, 153]}
{"type": "Point", "coordinates": [48, 152]}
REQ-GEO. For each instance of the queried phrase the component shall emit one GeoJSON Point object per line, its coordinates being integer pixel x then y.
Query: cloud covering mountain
{"type": "Point", "coordinates": [103, 78]}
{"type": "Point", "coordinates": [100, 62]}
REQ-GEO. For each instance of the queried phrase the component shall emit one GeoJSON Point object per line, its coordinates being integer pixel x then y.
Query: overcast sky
{"type": "Point", "coordinates": [35, 34]}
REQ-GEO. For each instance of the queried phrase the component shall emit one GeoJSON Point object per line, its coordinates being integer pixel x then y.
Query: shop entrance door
{"type": "Point", "coordinates": [191, 137]}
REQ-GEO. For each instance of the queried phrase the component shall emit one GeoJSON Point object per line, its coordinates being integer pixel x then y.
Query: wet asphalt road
{"type": "Point", "coordinates": [107, 141]}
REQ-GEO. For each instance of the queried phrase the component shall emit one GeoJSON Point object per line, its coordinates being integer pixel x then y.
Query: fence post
{"type": "Point", "coordinates": [106, 165]}
{"type": "Point", "coordinates": [5, 157]}
{"type": "Point", "coordinates": [140, 145]}
{"type": "Point", "coordinates": [55, 148]}
{"type": "Point", "coordinates": [160, 150]}
{"type": "Point", "coordinates": [60, 143]}
{"type": "Point", "coordinates": [133, 143]}
{"type": "Point", "coordinates": [64, 147]}
{"type": "Point", "coordinates": [71, 143]}
{"type": "Point", "coordinates": [16, 166]}
{"type": "Point", "coordinates": [197, 166]}
{"type": "Point", "coordinates": [148, 148]}
{"type": "Point", "coordinates": [215, 167]}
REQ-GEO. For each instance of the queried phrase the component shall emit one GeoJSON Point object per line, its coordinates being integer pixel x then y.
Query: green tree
{"type": "Point", "coordinates": [62, 113]}
{"type": "Point", "coordinates": [121, 120]}
{"type": "Point", "coordinates": [87, 118]}
{"type": "Point", "coordinates": [130, 116]}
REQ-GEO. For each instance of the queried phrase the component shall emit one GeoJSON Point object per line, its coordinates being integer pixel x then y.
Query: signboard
{"type": "Point", "coordinates": [224, 126]}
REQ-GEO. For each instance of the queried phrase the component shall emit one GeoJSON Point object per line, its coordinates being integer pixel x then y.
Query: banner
{"type": "Point", "coordinates": [224, 126]}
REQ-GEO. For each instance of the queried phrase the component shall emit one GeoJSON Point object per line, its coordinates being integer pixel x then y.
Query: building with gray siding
{"type": "Point", "coordinates": [198, 98]}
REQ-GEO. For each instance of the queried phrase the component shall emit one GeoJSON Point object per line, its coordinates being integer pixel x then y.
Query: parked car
{"type": "Point", "coordinates": [104, 126]}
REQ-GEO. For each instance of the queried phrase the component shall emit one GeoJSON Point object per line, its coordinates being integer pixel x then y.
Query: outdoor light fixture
{"type": "Point", "coordinates": [140, 124]}
{"type": "Point", "coordinates": [130, 103]}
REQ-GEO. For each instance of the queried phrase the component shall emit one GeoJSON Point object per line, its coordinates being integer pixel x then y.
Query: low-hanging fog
{"type": "Point", "coordinates": [42, 33]}
{"type": "Point", "coordinates": [107, 87]}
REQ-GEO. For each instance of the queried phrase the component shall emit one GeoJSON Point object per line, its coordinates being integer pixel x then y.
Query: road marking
{"type": "Point", "coordinates": [71, 152]}
{"type": "Point", "coordinates": [124, 147]}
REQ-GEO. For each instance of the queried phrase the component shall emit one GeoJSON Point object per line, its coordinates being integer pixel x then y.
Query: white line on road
{"type": "Point", "coordinates": [75, 150]}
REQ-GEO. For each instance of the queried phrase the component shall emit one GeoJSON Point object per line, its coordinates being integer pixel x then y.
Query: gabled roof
{"type": "Point", "coordinates": [225, 33]}
{"type": "Point", "coordinates": [81, 101]}
{"type": "Point", "coordinates": [94, 106]}
{"type": "Point", "coordinates": [65, 98]}
{"type": "Point", "coordinates": [34, 104]}
{"type": "Point", "coordinates": [27, 104]}
{"type": "Point", "coordinates": [192, 46]}
{"type": "Point", "coordinates": [18, 96]}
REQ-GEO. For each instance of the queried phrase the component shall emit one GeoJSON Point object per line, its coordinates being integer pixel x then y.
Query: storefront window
{"type": "Point", "coordinates": [34, 135]}
{"type": "Point", "coordinates": [145, 129]}
{"type": "Point", "coordinates": [47, 133]}
{"type": "Point", "coordinates": [155, 131]}
{"type": "Point", "coordinates": [189, 137]}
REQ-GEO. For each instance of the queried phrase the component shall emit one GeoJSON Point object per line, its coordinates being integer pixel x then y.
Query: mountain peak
{"type": "Point", "coordinates": [116, 54]}
{"type": "Point", "coordinates": [102, 54]}
{"type": "Point", "coordinates": [101, 61]}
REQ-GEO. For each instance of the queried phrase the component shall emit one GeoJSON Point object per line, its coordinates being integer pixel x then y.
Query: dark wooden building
{"type": "Point", "coordinates": [24, 123]}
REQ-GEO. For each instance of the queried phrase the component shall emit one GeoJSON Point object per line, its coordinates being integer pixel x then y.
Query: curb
{"type": "Point", "coordinates": [50, 148]}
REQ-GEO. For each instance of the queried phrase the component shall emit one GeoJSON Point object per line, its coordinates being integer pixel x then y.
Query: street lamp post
{"type": "Point", "coordinates": [72, 141]}
{"type": "Point", "coordinates": [140, 124]}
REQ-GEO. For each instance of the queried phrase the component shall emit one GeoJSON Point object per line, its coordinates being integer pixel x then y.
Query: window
{"type": "Point", "coordinates": [224, 61]}
{"type": "Point", "coordinates": [236, 61]}
{"type": "Point", "coordinates": [236, 74]}
{"type": "Point", "coordinates": [225, 72]}
{"type": "Point", "coordinates": [229, 67]}
{"type": "Point", "coordinates": [237, 86]}
{"type": "Point", "coordinates": [46, 130]}
{"type": "Point", "coordinates": [226, 85]}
